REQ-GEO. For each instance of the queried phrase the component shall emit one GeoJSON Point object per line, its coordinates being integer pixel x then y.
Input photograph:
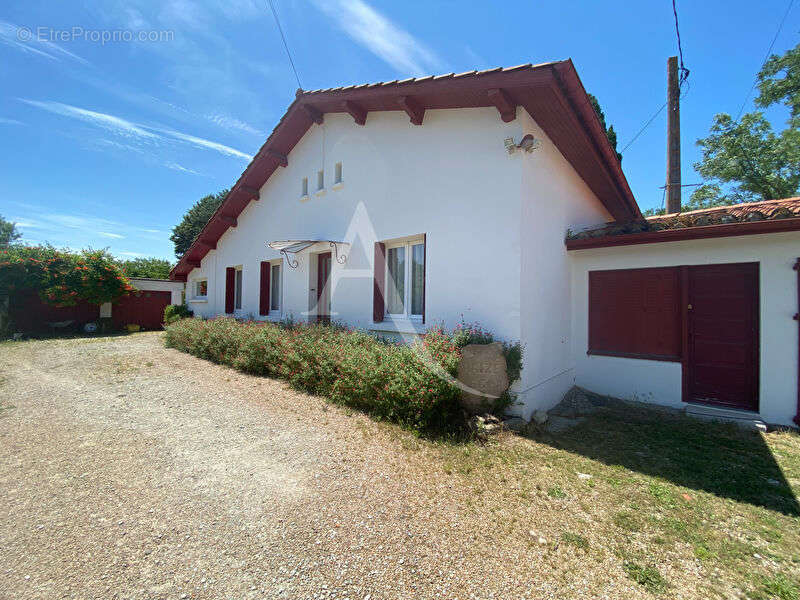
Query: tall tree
{"type": "Point", "coordinates": [747, 161]}
{"type": "Point", "coordinates": [779, 82]}
{"type": "Point", "coordinates": [750, 159]}
{"type": "Point", "coordinates": [192, 223]}
{"type": "Point", "coordinates": [610, 133]}
{"type": "Point", "coordinates": [8, 232]}
{"type": "Point", "coordinates": [154, 268]}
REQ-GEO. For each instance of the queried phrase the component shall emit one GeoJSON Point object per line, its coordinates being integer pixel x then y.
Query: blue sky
{"type": "Point", "coordinates": [107, 144]}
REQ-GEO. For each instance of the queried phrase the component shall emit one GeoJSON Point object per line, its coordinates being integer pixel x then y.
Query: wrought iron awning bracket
{"type": "Point", "coordinates": [293, 263]}
{"type": "Point", "coordinates": [339, 259]}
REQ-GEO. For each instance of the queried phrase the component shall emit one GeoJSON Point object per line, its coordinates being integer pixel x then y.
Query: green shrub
{"type": "Point", "coordinates": [176, 312]}
{"type": "Point", "coordinates": [411, 385]}
{"type": "Point", "coordinates": [62, 277]}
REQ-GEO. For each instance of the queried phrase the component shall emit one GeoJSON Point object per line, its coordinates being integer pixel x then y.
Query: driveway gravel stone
{"type": "Point", "coordinates": [129, 470]}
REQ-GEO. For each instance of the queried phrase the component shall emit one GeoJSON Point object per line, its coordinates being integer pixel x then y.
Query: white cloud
{"type": "Point", "coordinates": [380, 36]}
{"type": "Point", "coordinates": [132, 254]}
{"type": "Point", "coordinates": [176, 167]}
{"type": "Point", "coordinates": [233, 123]}
{"type": "Point", "coordinates": [83, 230]}
{"type": "Point", "coordinates": [110, 122]}
{"type": "Point", "coordinates": [5, 121]}
{"type": "Point", "coordinates": [128, 129]}
{"type": "Point", "coordinates": [27, 40]}
{"type": "Point", "coordinates": [203, 143]}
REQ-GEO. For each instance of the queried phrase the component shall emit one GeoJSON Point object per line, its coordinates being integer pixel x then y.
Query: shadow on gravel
{"type": "Point", "coordinates": [714, 457]}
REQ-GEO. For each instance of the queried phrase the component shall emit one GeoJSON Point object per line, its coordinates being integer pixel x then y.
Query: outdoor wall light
{"type": "Point", "coordinates": [528, 143]}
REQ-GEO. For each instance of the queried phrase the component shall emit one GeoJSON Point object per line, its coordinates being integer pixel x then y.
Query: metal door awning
{"type": "Point", "coordinates": [287, 247]}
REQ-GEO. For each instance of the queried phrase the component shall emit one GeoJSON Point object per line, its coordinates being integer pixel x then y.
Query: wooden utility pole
{"type": "Point", "coordinates": [673, 137]}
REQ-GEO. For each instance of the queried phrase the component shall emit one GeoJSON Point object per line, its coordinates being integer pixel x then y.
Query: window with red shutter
{"type": "Point", "coordinates": [230, 289]}
{"type": "Point", "coordinates": [379, 270]}
{"type": "Point", "coordinates": [636, 313]}
{"type": "Point", "coordinates": [263, 299]}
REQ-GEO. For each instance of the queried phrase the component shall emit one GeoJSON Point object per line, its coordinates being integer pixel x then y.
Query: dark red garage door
{"type": "Point", "coordinates": [142, 308]}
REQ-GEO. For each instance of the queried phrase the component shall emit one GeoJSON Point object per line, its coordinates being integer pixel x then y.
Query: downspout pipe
{"type": "Point", "coordinates": [797, 318]}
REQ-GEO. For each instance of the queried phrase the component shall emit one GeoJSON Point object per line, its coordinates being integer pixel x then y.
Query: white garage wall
{"type": "Point", "coordinates": [660, 382]}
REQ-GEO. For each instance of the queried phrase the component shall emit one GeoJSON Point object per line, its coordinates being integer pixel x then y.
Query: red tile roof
{"type": "Point", "coordinates": [767, 216]}
{"type": "Point", "coordinates": [748, 212]}
{"type": "Point", "coordinates": [551, 93]}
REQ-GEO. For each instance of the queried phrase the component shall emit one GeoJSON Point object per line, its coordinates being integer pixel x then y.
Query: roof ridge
{"type": "Point", "coordinates": [744, 205]}
{"type": "Point", "coordinates": [451, 75]}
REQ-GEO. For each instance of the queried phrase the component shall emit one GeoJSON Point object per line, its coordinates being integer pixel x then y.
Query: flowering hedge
{"type": "Point", "coordinates": [62, 278]}
{"type": "Point", "coordinates": [394, 382]}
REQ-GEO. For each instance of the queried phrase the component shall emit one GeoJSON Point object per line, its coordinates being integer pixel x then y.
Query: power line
{"type": "Point", "coordinates": [645, 126]}
{"type": "Point", "coordinates": [285, 45]}
{"type": "Point", "coordinates": [684, 71]}
{"type": "Point", "coordinates": [683, 79]}
{"type": "Point", "coordinates": [766, 58]}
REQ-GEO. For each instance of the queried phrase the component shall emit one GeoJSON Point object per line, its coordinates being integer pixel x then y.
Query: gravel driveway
{"type": "Point", "coordinates": [133, 471]}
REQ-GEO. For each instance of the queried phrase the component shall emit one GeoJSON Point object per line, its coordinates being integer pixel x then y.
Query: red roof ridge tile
{"type": "Point", "coordinates": [743, 206]}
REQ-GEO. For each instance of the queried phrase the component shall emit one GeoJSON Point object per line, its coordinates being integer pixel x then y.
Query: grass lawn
{"type": "Point", "coordinates": [663, 494]}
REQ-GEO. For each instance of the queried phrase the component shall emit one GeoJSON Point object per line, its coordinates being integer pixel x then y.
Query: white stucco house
{"type": "Point", "coordinates": [399, 205]}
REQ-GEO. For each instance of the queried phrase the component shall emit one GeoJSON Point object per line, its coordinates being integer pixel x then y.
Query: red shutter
{"type": "Point", "coordinates": [263, 302]}
{"type": "Point", "coordinates": [636, 312]}
{"type": "Point", "coordinates": [379, 283]}
{"type": "Point", "coordinates": [230, 289]}
{"type": "Point", "coordinates": [424, 271]}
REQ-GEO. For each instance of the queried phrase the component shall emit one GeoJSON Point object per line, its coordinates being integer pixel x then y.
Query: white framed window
{"type": "Point", "coordinates": [237, 298]}
{"type": "Point", "coordinates": [320, 180]}
{"type": "Point", "coordinates": [338, 173]}
{"type": "Point", "coordinates": [304, 187]}
{"type": "Point", "coordinates": [275, 288]}
{"type": "Point", "coordinates": [200, 289]}
{"type": "Point", "coordinates": [405, 278]}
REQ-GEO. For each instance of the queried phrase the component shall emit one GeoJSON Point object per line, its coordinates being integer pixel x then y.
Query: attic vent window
{"type": "Point", "coordinates": [338, 178]}
{"type": "Point", "coordinates": [304, 187]}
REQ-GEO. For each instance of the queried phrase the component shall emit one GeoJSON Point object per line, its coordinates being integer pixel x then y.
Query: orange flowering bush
{"type": "Point", "coordinates": [408, 384]}
{"type": "Point", "coordinates": [61, 277]}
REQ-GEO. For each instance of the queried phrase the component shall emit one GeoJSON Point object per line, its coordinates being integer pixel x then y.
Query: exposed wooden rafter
{"type": "Point", "coordinates": [356, 111]}
{"type": "Point", "coordinates": [193, 263]}
{"type": "Point", "coordinates": [279, 156]}
{"type": "Point", "coordinates": [551, 93]}
{"type": "Point", "coordinates": [210, 244]}
{"type": "Point", "coordinates": [253, 192]}
{"type": "Point", "coordinates": [505, 105]}
{"type": "Point", "coordinates": [314, 114]}
{"type": "Point", "coordinates": [414, 110]}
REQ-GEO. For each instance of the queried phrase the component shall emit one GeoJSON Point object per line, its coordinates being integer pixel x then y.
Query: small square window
{"type": "Point", "coordinates": [201, 288]}
{"type": "Point", "coordinates": [304, 188]}
{"type": "Point", "coordinates": [338, 178]}
{"type": "Point", "coordinates": [320, 180]}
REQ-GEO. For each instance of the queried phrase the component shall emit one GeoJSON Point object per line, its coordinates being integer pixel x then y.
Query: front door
{"type": "Point", "coordinates": [323, 289]}
{"type": "Point", "coordinates": [722, 319]}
